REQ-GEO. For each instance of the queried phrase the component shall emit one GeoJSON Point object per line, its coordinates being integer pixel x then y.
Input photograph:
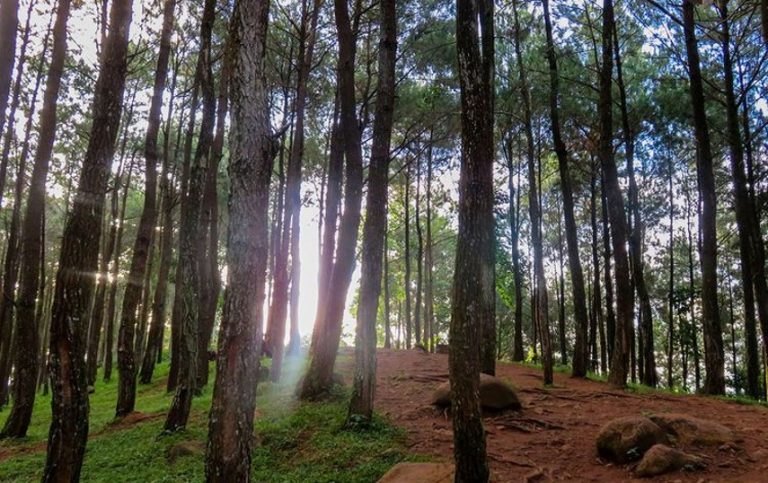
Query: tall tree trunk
{"type": "Point", "coordinates": [671, 286]}
{"type": "Point", "coordinates": [610, 311]}
{"type": "Point", "coordinates": [713, 333]}
{"type": "Point", "coordinates": [693, 326]}
{"type": "Point", "coordinates": [230, 427]}
{"type": "Point", "coordinates": [16, 95]}
{"type": "Point", "coordinates": [173, 374]}
{"type": "Point", "coordinates": [560, 149]}
{"type": "Point", "coordinates": [146, 302]}
{"type": "Point", "coordinates": [11, 260]}
{"type": "Point", "coordinates": [620, 365]}
{"type": "Point", "coordinates": [109, 332]}
{"type": "Point", "coordinates": [387, 302]}
{"type": "Point", "coordinates": [581, 349]}
{"type": "Point", "coordinates": [648, 369]}
{"type": "Point", "coordinates": [209, 264]}
{"type": "Point", "coordinates": [429, 308]}
{"type": "Point", "coordinates": [79, 259]}
{"type": "Point", "coordinates": [189, 283]}
{"type": "Point", "coordinates": [407, 254]}
{"type": "Point", "coordinates": [597, 298]}
{"type": "Point", "coordinates": [25, 345]}
{"type": "Point", "coordinates": [419, 324]}
{"type": "Point", "coordinates": [97, 311]}
{"type": "Point", "coordinates": [561, 298]}
{"type": "Point", "coordinates": [473, 292]}
{"type": "Point", "coordinates": [318, 379]}
{"type": "Point", "coordinates": [375, 227]}
{"type": "Point", "coordinates": [514, 216]}
{"type": "Point", "coordinates": [751, 246]}
{"type": "Point", "coordinates": [9, 23]}
{"type": "Point", "coordinates": [155, 339]}
{"type": "Point", "coordinates": [126, 361]}
{"type": "Point", "coordinates": [289, 238]}
{"type": "Point", "coordinates": [330, 221]}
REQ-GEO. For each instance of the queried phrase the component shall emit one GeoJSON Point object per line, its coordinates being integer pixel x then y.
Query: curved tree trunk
{"type": "Point", "coordinates": [26, 343]}
{"type": "Point", "coordinates": [126, 363]}
{"type": "Point", "coordinates": [79, 259]}
{"type": "Point", "coordinates": [364, 383]}
{"type": "Point", "coordinates": [581, 349]}
{"type": "Point", "coordinates": [289, 238]}
{"type": "Point", "coordinates": [318, 379]}
{"type": "Point", "coordinates": [189, 283]}
{"type": "Point", "coordinates": [9, 23]}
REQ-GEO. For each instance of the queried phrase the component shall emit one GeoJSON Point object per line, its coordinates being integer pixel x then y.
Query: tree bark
{"type": "Point", "coordinates": [11, 260]}
{"type": "Point", "coordinates": [173, 374]}
{"type": "Point", "coordinates": [189, 283]}
{"type": "Point", "coordinates": [289, 239]}
{"type": "Point", "coordinates": [581, 349]}
{"type": "Point", "coordinates": [9, 23]}
{"type": "Point", "coordinates": [407, 254]}
{"type": "Point", "coordinates": [209, 263]}
{"type": "Point", "coordinates": [79, 259]}
{"type": "Point", "coordinates": [109, 335]}
{"type": "Point", "coordinates": [714, 357]}
{"type": "Point", "coordinates": [514, 216]}
{"type": "Point", "coordinates": [649, 376]}
{"type": "Point", "coordinates": [620, 365]}
{"type": "Point", "coordinates": [16, 95]}
{"type": "Point", "coordinates": [318, 379]}
{"type": "Point", "coordinates": [597, 298]}
{"type": "Point", "coordinates": [25, 345]}
{"type": "Point", "coordinates": [429, 307]}
{"type": "Point", "coordinates": [473, 293]}
{"type": "Point", "coordinates": [230, 427]}
{"type": "Point", "coordinates": [97, 311]}
{"type": "Point", "coordinates": [126, 360]}
{"type": "Point", "coordinates": [751, 246]}
{"type": "Point", "coordinates": [375, 227]}
{"type": "Point", "coordinates": [330, 220]}
{"type": "Point", "coordinates": [671, 285]}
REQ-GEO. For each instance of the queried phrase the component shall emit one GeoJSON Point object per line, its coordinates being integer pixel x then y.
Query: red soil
{"type": "Point", "coordinates": [553, 438]}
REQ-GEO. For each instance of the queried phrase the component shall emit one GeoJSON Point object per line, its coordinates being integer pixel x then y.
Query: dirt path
{"type": "Point", "coordinates": [553, 438]}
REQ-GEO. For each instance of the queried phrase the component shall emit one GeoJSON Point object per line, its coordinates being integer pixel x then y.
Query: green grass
{"type": "Point", "coordinates": [295, 442]}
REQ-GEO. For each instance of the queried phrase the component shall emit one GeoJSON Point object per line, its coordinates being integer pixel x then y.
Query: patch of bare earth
{"type": "Point", "coordinates": [553, 437]}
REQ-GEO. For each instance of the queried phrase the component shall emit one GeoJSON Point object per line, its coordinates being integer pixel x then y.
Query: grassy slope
{"type": "Point", "coordinates": [295, 442]}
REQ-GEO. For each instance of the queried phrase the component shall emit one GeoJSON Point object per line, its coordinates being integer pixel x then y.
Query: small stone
{"type": "Point", "coordinates": [661, 459]}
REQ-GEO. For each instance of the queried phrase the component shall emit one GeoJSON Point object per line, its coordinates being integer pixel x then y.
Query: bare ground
{"type": "Point", "coordinates": [553, 437]}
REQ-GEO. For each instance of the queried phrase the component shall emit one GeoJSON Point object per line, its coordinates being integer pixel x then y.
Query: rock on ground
{"type": "Point", "coordinates": [661, 459]}
{"type": "Point", "coordinates": [688, 430]}
{"type": "Point", "coordinates": [495, 394]}
{"type": "Point", "coordinates": [419, 473]}
{"type": "Point", "coordinates": [628, 438]}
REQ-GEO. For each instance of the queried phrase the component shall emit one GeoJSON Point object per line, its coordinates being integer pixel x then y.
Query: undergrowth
{"type": "Point", "coordinates": [293, 442]}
